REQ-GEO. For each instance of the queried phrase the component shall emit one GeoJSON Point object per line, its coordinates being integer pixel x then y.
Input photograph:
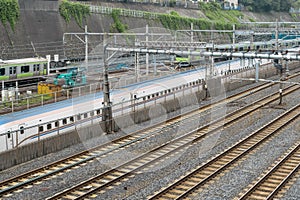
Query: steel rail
{"type": "Point", "coordinates": [234, 154]}
{"type": "Point", "coordinates": [290, 161]}
{"type": "Point", "coordinates": [94, 185]}
{"type": "Point", "coordinates": [18, 181]}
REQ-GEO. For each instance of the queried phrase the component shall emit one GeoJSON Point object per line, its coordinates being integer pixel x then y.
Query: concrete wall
{"type": "Point", "coordinates": [41, 25]}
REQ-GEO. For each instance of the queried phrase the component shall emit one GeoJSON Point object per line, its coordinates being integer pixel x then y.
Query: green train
{"type": "Point", "coordinates": [22, 70]}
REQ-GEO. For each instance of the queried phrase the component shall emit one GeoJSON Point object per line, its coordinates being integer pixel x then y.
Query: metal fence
{"type": "Point", "coordinates": [24, 101]}
{"type": "Point", "coordinates": [123, 12]}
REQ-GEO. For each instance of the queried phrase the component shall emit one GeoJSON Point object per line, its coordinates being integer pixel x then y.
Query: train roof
{"type": "Point", "coordinates": [23, 60]}
{"type": "Point", "coordinates": [247, 43]}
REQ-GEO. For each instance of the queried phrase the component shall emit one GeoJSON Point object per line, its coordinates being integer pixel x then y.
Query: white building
{"type": "Point", "coordinates": [230, 4]}
{"type": "Point", "coordinates": [226, 4]}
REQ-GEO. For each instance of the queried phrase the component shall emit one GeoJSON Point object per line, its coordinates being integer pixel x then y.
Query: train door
{"type": "Point", "coordinates": [13, 72]}
{"type": "Point", "coordinates": [36, 69]}
{"type": "Point", "coordinates": [9, 140]}
{"type": "Point", "coordinates": [44, 69]}
{"type": "Point", "coordinates": [20, 136]}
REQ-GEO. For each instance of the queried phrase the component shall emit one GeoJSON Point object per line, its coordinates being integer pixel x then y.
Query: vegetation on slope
{"type": "Point", "coordinates": [9, 12]}
{"type": "Point", "coordinates": [74, 9]}
{"type": "Point", "coordinates": [118, 25]}
{"type": "Point", "coordinates": [270, 5]}
{"type": "Point", "coordinates": [216, 18]}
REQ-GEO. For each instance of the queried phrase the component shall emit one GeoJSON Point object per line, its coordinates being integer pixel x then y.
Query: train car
{"type": "Point", "coordinates": [22, 69]}
{"type": "Point", "coordinates": [256, 46]}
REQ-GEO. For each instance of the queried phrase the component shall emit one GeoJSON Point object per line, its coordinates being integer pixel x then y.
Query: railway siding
{"type": "Point", "coordinates": [269, 107]}
{"type": "Point", "coordinates": [122, 143]}
{"type": "Point", "coordinates": [201, 175]}
{"type": "Point", "coordinates": [90, 186]}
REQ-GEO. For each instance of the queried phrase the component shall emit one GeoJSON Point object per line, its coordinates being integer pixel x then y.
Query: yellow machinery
{"type": "Point", "coordinates": [50, 89]}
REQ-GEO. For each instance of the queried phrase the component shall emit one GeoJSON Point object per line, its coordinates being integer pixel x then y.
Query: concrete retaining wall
{"type": "Point", "coordinates": [58, 142]}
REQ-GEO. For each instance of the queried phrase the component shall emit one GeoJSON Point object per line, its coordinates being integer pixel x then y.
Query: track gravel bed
{"type": "Point", "coordinates": [236, 180]}
{"type": "Point", "coordinates": [156, 178]}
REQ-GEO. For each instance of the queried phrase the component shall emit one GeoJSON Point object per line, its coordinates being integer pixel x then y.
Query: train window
{"type": "Point", "coordinates": [85, 115]}
{"type": "Point", "coordinates": [71, 119]}
{"type": "Point", "coordinates": [8, 134]}
{"type": "Point", "coordinates": [21, 129]}
{"type": "Point", "coordinates": [78, 117]}
{"type": "Point", "coordinates": [41, 128]}
{"type": "Point", "coordinates": [149, 97]}
{"type": "Point", "coordinates": [92, 113]}
{"type": "Point", "coordinates": [169, 90]}
{"type": "Point", "coordinates": [2, 71]}
{"type": "Point", "coordinates": [56, 124]}
{"type": "Point", "coordinates": [25, 69]}
{"type": "Point", "coordinates": [157, 94]}
{"type": "Point", "coordinates": [144, 98]}
{"type": "Point", "coordinates": [98, 112]}
{"type": "Point", "coordinates": [152, 95]}
{"type": "Point", "coordinates": [64, 121]}
{"type": "Point", "coordinates": [49, 126]}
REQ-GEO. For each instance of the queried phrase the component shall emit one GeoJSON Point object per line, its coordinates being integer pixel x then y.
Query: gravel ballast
{"type": "Point", "coordinates": [142, 185]}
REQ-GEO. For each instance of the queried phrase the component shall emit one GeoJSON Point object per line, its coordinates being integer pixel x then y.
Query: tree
{"type": "Point", "coordinates": [268, 5]}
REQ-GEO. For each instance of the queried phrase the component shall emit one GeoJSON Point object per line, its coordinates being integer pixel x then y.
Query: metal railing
{"type": "Point", "coordinates": [25, 101]}
{"type": "Point", "coordinates": [123, 12]}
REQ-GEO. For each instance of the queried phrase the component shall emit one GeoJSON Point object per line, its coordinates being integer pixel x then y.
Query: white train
{"type": "Point", "coordinates": [19, 128]}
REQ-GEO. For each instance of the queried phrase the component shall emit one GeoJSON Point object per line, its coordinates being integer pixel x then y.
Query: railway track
{"type": "Point", "coordinates": [188, 185]}
{"type": "Point", "coordinates": [120, 174]}
{"type": "Point", "coordinates": [15, 184]}
{"type": "Point", "coordinates": [275, 180]}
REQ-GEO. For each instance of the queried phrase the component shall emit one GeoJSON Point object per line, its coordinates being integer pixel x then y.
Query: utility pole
{"type": "Point", "coordinates": [86, 46]}
{"type": "Point", "coordinates": [233, 34]}
{"type": "Point", "coordinates": [280, 62]}
{"type": "Point", "coordinates": [276, 35]}
{"type": "Point", "coordinates": [147, 54]}
{"type": "Point", "coordinates": [107, 112]}
{"type": "Point", "coordinates": [257, 65]}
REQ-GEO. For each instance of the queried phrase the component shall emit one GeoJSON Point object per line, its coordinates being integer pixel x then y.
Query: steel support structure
{"type": "Point", "coordinates": [250, 55]}
{"type": "Point", "coordinates": [107, 108]}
